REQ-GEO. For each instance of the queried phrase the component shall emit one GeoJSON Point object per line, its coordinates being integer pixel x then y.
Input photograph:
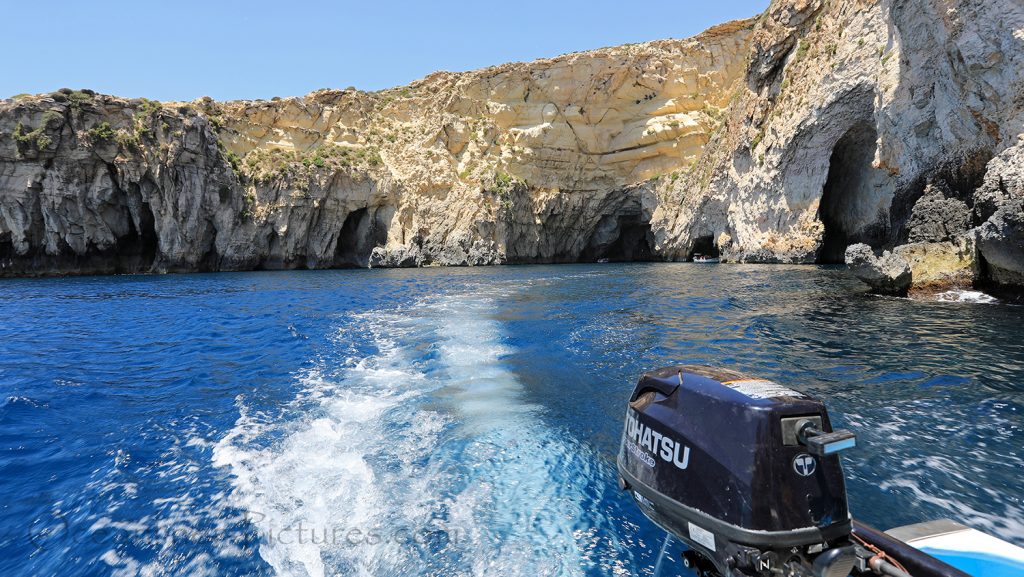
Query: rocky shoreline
{"type": "Point", "coordinates": [956, 240]}
{"type": "Point", "coordinates": [892, 124]}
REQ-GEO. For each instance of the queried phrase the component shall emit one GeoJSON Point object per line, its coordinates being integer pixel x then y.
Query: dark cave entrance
{"type": "Point", "coordinates": [706, 246]}
{"type": "Point", "coordinates": [359, 234]}
{"type": "Point", "coordinates": [621, 238]}
{"type": "Point", "coordinates": [6, 248]}
{"type": "Point", "coordinates": [136, 250]}
{"type": "Point", "coordinates": [633, 244]}
{"type": "Point", "coordinates": [853, 205]}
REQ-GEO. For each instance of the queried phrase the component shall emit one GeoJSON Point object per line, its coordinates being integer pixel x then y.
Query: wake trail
{"type": "Point", "coordinates": [420, 456]}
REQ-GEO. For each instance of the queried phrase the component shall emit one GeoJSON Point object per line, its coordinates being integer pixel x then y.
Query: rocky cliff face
{"type": "Point", "coordinates": [786, 138]}
{"type": "Point", "coordinates": [892, 123]}
{"type": "Point", "coordinates": [538, 162]}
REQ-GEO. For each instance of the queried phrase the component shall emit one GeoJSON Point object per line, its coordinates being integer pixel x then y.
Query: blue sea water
{"type": "Point", "coordinates": [455, 421]}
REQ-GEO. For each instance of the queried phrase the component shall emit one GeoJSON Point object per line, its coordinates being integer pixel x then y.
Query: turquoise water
{"type": "Point", "coordinates": [454, 421]}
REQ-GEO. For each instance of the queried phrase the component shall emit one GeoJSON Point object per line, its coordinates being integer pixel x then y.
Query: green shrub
{"type": "Point", "coordinates": [102, 132]}
{"type": "Point", "coordinates": [504, 184]}
{"type": "Point", "coordinates": [757, 140]}
{"type": "Point", "coordinates": [147, 107]}
{"type": "Point", "coordinates": [233, 159]}
{"type": "Point", "coordinates": [43, 141]}
{"type": "Point", "coordinates": [51, 117]}
{"type": "Point", "coordinates": [248, 204]}
{"type": "Point", "coordinates": [373, 157]}
{"type": "Point", "coordinates": [79, 97]}
{"type": "Point", "coordinates": [126, 139]}
{"type": "Point", "coordinates": [802, 48]}
{"type": "Point", "coordinates": [34, 139]}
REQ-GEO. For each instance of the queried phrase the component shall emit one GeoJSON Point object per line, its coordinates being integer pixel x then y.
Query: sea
{"type": "Point", "coordinates": [457, 421]}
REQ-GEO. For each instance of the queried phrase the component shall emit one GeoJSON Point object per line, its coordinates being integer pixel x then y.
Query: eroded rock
{"type": "Point", "coordinates": [941, 266]}
{"type": "Point", "coordinates": [1001, 242]}
{"type": "Point", "coordinates": [888, 274]}
{"type": "Point", "coordinates": [938, 216]}
{"type": "Point", "coordinates": [1000, 202]}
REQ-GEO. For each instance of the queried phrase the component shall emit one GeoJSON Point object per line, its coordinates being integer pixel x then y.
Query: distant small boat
{"type": "Point", "coordinates": [703, 258]}
{"type": "Point", "coordinates": [602, 260]}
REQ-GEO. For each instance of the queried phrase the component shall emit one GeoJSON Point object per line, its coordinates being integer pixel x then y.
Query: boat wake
{"type": "Point", "coordinates": [408, 459]}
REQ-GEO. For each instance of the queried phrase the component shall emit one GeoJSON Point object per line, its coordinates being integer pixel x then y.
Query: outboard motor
{"type": "Point", "coordinates": [744, 471]}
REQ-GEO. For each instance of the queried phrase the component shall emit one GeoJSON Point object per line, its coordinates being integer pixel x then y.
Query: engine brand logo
{"type": "Point", "coordinates": [804, 465]}
{"type": "Point", "coordinates": [657, 444]}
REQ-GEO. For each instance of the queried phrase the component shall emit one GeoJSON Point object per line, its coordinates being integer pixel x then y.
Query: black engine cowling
{"type": "Point", "coordinates": [742, 470]}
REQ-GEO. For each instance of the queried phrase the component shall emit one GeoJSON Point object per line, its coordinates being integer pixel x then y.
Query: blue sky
{"type": "Point", "coordinates": [232, 49]}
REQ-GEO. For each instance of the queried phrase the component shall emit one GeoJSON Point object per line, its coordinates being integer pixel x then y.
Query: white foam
{"type": "Point", "coordinates": [182, 522]}
{"type": "Point", "coordinates": [942, 478]}
{"type": "Point", "coordinates": [441, 446]}
{"type": "Point", "coordinates": [966, 296]}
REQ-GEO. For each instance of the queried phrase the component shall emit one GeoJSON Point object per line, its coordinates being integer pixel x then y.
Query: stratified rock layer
{"type": "Point", "coordinates": [781, 139]}
{"type": "Point", "coordinates": [534, 162]}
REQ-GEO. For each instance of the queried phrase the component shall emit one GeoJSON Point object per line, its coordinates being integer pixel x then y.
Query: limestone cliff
{"type": "Point", "coordinates": [780, 139]}
{"type": "Point", "coordinates": [528, 162]}
{"type": "Point", "coordinates": [886, 122]}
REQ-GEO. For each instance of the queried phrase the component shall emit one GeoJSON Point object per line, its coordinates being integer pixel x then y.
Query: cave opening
{"type": "Point", "coordinates": [705, 246]}
{"type": "Point", "coordinates": [856, 196]}
{"type": "Point", "coordinates": [6, 246]}
{"type": "Point", "coordinates": [359, 234]}
{"type": "Point", "coordinates": [136, 250]}
{"type": "Point", "coordinates": [7, 254]}
{"type": "Point", "coordinates": [622, 238]}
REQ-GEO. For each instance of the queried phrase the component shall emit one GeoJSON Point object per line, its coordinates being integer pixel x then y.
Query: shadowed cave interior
{"type": "Point", "coordinates": [359, 234]}
{"type": "Point", "coordinates": [856, 197]}
{"type": "Point", "coordinates": [621, 238]}
{"type": "Point", "coordinates": [704, 245]}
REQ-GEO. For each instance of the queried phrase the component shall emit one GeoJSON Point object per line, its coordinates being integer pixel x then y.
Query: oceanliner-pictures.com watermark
{"type": "Point", "coordinates": [257, 529]}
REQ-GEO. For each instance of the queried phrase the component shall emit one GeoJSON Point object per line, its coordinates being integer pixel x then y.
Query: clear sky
{"type": "Point", "coordinates": [230, 49]}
